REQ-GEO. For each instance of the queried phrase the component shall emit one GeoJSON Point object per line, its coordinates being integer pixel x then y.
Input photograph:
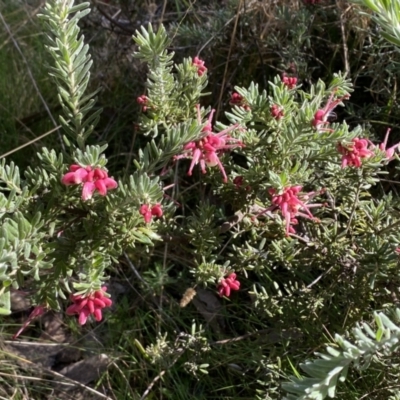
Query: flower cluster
{"type": "Point", "coordinates": [289, 81]}
{"type": "Point", "coordinates": [292, 205]}
{"type": "Point", "coordinates": [199, 64]}
{"type": "Point", "coordinates": [89, 305]}
{"type": "Point", "coordinates": [143, 101]}
{"type": "Point", "coordinates": [322, 115]}
{"type": "Point", "coordinates": [205, 151]}
{"type": "Point", "coordinates": [238, 100]}
{"type": "Point", "coordinates": [149, 212]}
{"type": "Point", "coordinates": [92, 179]}
{"type": "Point", "coordinates": [227, 284]}
{"type": "Point", "coordinates": [277, 112]}
{"type": "Point", "coordinates": [354, 152]}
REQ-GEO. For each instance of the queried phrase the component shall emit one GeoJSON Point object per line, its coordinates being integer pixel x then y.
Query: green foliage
{"type": "Point", "coordinates": [331, 367]}
{"type": "Point", "coordinates": [72, 67]}
{"type": "Point", "coordinates": [171, 97]}
{"type": "Point", "coordinates": [386, 13]}
{"type": "Point", "coordinates": [338, 263]}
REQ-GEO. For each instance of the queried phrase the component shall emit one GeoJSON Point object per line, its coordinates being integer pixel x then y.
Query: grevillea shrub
{"type": "Point", "coordinates": [279, 212]}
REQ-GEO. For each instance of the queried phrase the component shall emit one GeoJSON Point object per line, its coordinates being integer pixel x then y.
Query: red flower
{"type": "Point", "coordinates": [199, 64]}
{"type": "Point", "coordinates": [292, 204]}
{"type": "Point", "coordinates": [238, 100]}
{"type": "Point", "coordinates": [205, 150]}
{"type": "Point", "coordinates": [89, 305]}
{"type": "Point", "coordinates": [353, 153]}
{"type": "Point", "coordinates": [289, 81]}
{"type": "Point", "coordinates": [277, 112]}
{"type": "Point", "coordinates": [321, 116]}
{"type": "Point", "coordinates": [227, 284]}
{"type": "Point", "coordinates": [143, 101]}
{"type": "Point", "coordinates": [150, 212]}
{"type": "Point", "coordinates": [92, 180]}
{"type": "Point", "coordinates": [238, 181]}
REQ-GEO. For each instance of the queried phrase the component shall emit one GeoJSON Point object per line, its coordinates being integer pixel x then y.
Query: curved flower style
{"type": "Point", "coordinates": [391, 150]}
{"type": "Point", "coordinates": [322, 115]}
{"type": "Point", "coordinates": [89, 305]}
{"type": "Point", "coordinates": [205, 151]}
{"type": "Point", "coordinates": [227, 284]}
{"type": "Point", "coordinates": [292, 205]}
{"type": "Point", "coordinates": [36, 312]}
{"type": "Point", "coordinates": [92, 180]}
{"type": "Point", "coordinates": [353, 153]}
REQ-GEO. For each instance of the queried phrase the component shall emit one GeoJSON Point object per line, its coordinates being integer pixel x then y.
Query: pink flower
{"type": "Point", "coordinates": [143, 101]}
{"type": "Point", "coordinates": [199, 64]}
{"type": "Point", "coordinates": [322, 115]}
{"type": "Point", "coordinates": [353, 153]}
{"type": "Point", "coordinates": [150, 212]}
{"type": "Point", "coordinates": [391, 150]}
{"type": "Point", "coordinates": [89, 305]}
{"type": "Point", "coordinates": [238, 100]}
{"type": "Point", "coordinates": [76, 175]}
{"type": "Point", "coordinates": [92, 180]}
{"type": "Point", "coordinates": [36, 312]}
{"type": "Point", "coordinates": [277, 112]}
{"type": "Point", "coordinates": [289, 81]}
{"type": "Point", "coordinates": [227, 284]}
{"type": "Point", "coordinates": [292, 204]}
{"type": "Point", "coordinates": [205, 150]}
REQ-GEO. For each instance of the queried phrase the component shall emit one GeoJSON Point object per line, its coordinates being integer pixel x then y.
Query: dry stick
{"type": "Point", "coordinates": [30, 142]}
{"type": "Point", "coordinates": [112, 20]}
{"type": "Point", "coordinates": [153, 382]}
{"type": "Point", "coordinates": [32, 79]}
{"type": "Point", "coordinates": [164, 7]}
{"type": "Point", "coordinates": [345, 49]}
{"type": "Point", "coordinates": [227, 61]}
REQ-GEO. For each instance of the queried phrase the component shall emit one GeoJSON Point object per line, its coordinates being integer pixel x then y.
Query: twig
{"type": "Point", "coordinates": [228, 58]}
{"type": "Point", "coordinates": [317, 279]}
{"type": "Point", "coordinates": [129, 31]}
{"type": "Point", "coordinates": [30, 142]}
{"type": "Point", "coordinates": [153, 382]}
{"type": "Point", "coordinates": [345, 49]}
